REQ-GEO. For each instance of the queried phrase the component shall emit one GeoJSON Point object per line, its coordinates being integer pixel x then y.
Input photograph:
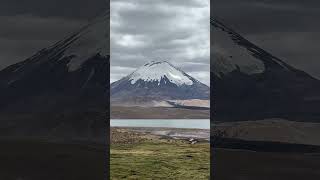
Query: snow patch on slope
{"type": "Point", "coordinates": [91, 40]}
{"type": "Point", "coordinates": [228, 55]}
{"type": "Point", "coordinates": [222, 64]}
{"type": "Point", "coordinates": [191, 103]}
{"type": "Point", "coordinates": [156, 71]}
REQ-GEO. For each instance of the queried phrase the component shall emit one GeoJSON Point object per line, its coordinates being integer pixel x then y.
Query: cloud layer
{"type": "Point", "coordinates": [171, 30]}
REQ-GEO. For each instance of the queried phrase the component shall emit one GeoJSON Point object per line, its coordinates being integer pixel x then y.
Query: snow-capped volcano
{"type": "Point", "coordinates": [160, 72]}
{"type": "Point", "coordinates": [72, 53]}
{"type": "Point", "coordinates": [157, 80]}
{"type": "Point", "coordinates": [251, 83]}
{"type": "Point", "coordinates": [44, 94]}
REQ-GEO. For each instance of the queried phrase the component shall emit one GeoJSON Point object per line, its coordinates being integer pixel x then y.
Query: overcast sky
{"type": "Point", "coordinates": [172, 30]}
{"type": "Point", "coordinates": [28, 26]}
{"type": "Point", "coordinates": [288, 29]}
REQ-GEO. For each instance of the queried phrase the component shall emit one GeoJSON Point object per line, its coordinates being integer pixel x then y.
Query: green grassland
{"type": "Point", "coordinates": [158, 159]}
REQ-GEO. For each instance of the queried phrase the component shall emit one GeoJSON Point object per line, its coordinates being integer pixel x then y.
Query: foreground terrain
{"type": "Point", "coordinates": [250, 165]}
{"type": "Point", "coordinates": [268, 149]}
{"type": "Point", "coordinates": [142, 155]}
{"type": "Point", "coordinates": [39, 160]}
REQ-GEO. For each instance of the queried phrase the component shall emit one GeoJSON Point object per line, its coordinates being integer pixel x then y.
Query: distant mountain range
{"type": "Point", "coordinates": [249, 83]}
{"type": "Point", "coordinates": [157, 81]}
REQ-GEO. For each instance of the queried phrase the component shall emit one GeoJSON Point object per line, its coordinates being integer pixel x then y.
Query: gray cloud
{"type": "Point", "coordinates": [258, 16]}
{"type": "Point", "coordinates": [144, 30]}
{"type": "Point", "coordinates": [82, 9]}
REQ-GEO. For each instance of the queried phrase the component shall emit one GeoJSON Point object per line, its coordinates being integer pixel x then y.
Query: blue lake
{"type": "Point", "coordinates": [172, 123]}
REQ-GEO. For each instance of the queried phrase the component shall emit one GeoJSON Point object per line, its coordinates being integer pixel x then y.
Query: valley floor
{"type": "Point", "coordinates": [273, 130]}
{"type": "Point", "coordinates": [121, 112]}
{"type": "Point", "coordinates": [136, 155]}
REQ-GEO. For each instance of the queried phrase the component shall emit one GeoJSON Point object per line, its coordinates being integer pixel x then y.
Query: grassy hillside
{"type": "Point", "coordinates": [143, 156]}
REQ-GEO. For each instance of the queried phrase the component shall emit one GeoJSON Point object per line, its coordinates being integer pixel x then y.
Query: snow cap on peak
{"type": "Point", "coordinates": [155, 71]}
